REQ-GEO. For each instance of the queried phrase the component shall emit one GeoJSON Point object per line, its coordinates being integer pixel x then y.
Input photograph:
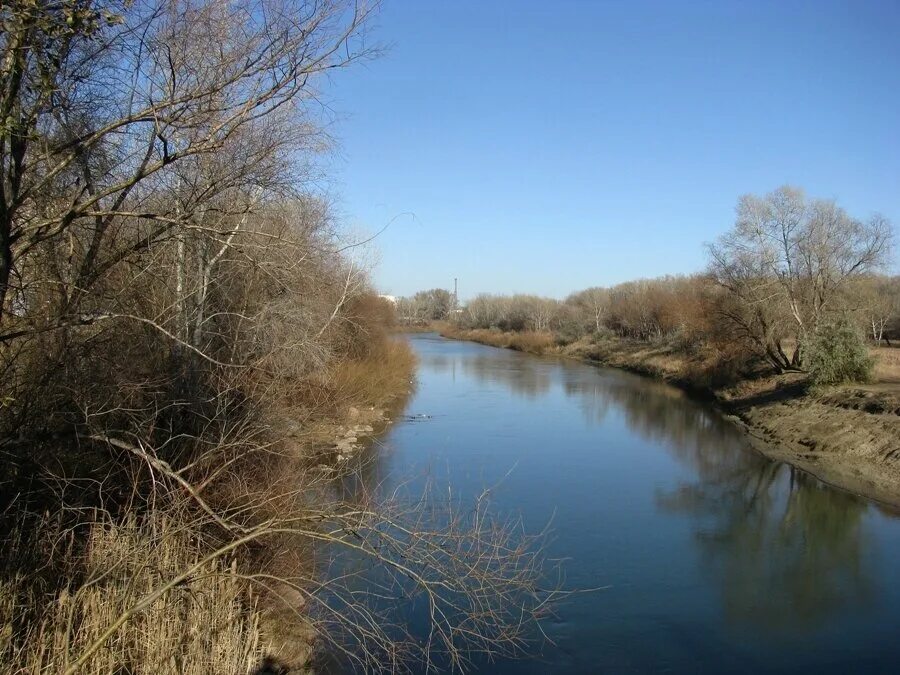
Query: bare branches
{"type": "Point", "coordinates": [212, 78]}
{"type": "Point", "coordinates": [789, 257]}
{"type": "Point", "coordinates": [174, 307]}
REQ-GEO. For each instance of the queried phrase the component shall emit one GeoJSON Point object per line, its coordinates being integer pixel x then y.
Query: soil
{"type": "Point", "coordinates": [846, 436]}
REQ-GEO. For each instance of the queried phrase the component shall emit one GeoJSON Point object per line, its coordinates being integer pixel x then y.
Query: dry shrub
{"type": "Point", "coordinates": [372, 380]}
{"type": "Point", "coordinates": [369, 367]}
{"type": "Point", "coordinates": [532, 342]}
{"type": "Point", "coordinates": [367, 321]}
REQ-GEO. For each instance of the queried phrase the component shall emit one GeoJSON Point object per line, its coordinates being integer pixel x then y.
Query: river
{"type": "Point", "coordinates": [711, 558]}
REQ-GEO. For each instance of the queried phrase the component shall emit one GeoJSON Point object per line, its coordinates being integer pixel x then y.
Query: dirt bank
{"type": "Point", "coordinates": [848, 436]}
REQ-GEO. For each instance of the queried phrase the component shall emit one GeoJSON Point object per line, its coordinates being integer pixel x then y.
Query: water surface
{"type": "Point", "coordinates": [714, 558]}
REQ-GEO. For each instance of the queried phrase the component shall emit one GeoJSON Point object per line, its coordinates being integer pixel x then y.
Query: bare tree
{"type": "Point", "coordinates": [124, 124]}
{"type": "Point", "coordinates": [540, 312]}
{"type": "Point", "coordinates": [594, 302]}
{"type": "Point", "coordinates": [424, 306]}
{"type": "Point", "coordinates": [877, 298]}
{"type": "Point", "coordinates": [787, 255]}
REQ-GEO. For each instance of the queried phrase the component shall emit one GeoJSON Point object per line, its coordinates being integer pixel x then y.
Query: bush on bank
{"type": "Point", "coordinates": [837, 354]}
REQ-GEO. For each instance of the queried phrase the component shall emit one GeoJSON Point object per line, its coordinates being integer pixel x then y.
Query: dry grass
{"type": "Point", "coordinates": [370, 380]}
{"type": "Point", "coordinates": [695, 369]}
{"type": "Point", "coordinates": [431, 327]}
{"type": "Point", "coordinates": [531, 342]}
{"type": "Point", "coordinates": [887, 364]}
{"type": "Point", "coordinates": [209, 624]}
{"type": "Point", "coordinates": [204, 626]}
{"type": "Point", "coordinates": [373, 379]}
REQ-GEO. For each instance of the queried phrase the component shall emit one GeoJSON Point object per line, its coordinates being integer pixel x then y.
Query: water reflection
{"type": "Point", "coordinates": [525, 376]}
{"type": "Point", "coordinates": [652, 410]}
{"type": "Point", "coordinates": [721, 532]}
{"type": "Point", "coordinates": [785, 549]}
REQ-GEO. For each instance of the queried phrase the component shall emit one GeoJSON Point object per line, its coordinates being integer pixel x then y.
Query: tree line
{"type": "Point", "coordinates": [789, 266]}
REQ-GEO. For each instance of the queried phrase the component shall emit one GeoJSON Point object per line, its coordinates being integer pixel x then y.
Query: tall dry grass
{"type": "Point", "coordinates": [887, 364]}
{"type": "Point", "coordinates": [371, 379]}
{"type": "Point", "coordinates": [205, 625]}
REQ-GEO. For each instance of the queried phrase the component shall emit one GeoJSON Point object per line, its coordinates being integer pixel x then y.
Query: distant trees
{"type": "Point", "coordinates": [646, 309]}
{"type": "Point", "coordinates": [592, 303]}
{"type": "Point", "coordinates": [877, 301]}
{"type": "Point", "coordinates": [540, 313]}
{"type": "Point", "coordinates": [436, 303]}
{"type": "Point", "coordinates": [512, 313]}
{"type": "Point", "coordinates": [432, 305]}
{"type": "Point", "coordinates": [785, 264]}
{"type": "Point", "coordinates": [789, 266]}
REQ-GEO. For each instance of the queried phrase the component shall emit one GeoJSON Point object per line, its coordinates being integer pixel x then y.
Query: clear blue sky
{"type": "Point", "coordinates": [545, 147]}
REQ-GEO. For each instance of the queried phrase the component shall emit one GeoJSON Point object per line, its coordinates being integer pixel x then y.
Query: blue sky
{"type": "Point", "coordinates": [545, 147]}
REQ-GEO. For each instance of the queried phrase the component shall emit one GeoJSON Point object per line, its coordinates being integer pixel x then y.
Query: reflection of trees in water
{"type": "Point", "coordinates": [656, 412]}
{"type": "Point", "coordinates": [786, 550]}
{"type": "Point", "coordinates": [437, 362]}
{"type": "Point", "coordinates": [785, 547]}
{"type": "Point", "coordinates": [592, 398]}
{"type": "Point", "coordinates": [528, 377]}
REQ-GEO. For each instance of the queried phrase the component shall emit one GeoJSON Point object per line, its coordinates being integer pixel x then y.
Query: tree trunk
{"type": "Point", "coordinates": [6, 261]}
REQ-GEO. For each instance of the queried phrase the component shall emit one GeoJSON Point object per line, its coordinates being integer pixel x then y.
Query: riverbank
{"type": "Point", "coordinates": [848, 436]}
{"type": "Point", "coordinates": [223, 590]}
{"type": "Point", "coordinates": [356, 401]}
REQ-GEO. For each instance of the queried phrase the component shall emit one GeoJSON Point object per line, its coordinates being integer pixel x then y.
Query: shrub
{"type": "Point", "coordinates": [838, 353]}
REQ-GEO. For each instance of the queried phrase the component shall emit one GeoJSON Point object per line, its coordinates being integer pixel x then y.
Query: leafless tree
{"type": "Point", "coordinates": [790, 255]}
{"type": "Point", "coordinates": [594, 302]}
{"type": "Point", "coordinates": [431, 305]}
{"type": "Point", "coordinates": [126, 124]}
{"type": "Point", "coordinates": [877, 298]}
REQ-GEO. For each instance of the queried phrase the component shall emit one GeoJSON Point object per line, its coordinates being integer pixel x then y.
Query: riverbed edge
{"type": "Point", "coordinates": [847, 437]}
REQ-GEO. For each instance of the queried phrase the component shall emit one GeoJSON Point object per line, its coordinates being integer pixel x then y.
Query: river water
{"type": "Point", "coordinates": [712, 558]}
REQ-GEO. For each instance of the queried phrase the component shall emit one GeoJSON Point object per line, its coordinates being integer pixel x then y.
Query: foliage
{"type": "Point", "coordinates": [837, 353]}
